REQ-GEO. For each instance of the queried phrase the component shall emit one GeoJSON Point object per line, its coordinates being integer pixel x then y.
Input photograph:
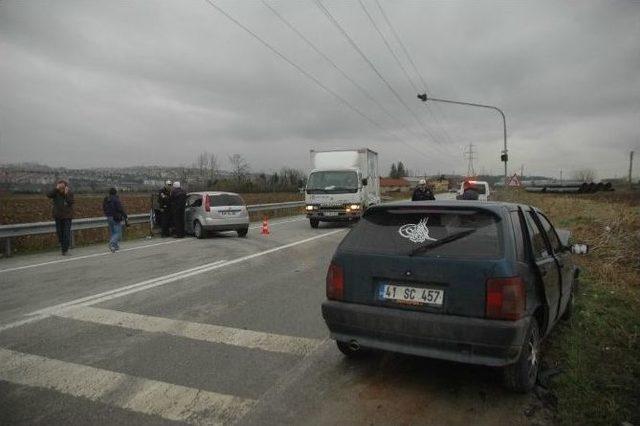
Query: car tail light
{"type": "Point", "coordinates": [335, 282]}
{"type": "Point", "coordinates": [207, 203]}
{"type": "Point", "coordinates": [506, 298]}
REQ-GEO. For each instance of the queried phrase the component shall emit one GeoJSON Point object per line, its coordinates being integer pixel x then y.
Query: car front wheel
{"type": "Point", "coordinates": [198, 232]}
{"type": "Point", "coordinates": [521, 376]}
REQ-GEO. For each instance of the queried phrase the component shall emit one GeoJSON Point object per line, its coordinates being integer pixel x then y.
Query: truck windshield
{"type": "Point", "coordinates": [332, 182]}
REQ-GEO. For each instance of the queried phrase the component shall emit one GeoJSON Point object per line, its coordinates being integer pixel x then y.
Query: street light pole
{"type": "Point", "coordinates": [504, 157]}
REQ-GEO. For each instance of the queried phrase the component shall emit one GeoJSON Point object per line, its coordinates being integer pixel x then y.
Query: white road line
{"type": "Point", "coordinates": [196, 331]}
{"type": "Point", "coordinates": [155, 282]}
{"type": "Point", "coordinates": [88, 256]}
{"type": "Point", "coordinates": [169, 401]}
{"type": "Point", "coordinates": [106, 253]}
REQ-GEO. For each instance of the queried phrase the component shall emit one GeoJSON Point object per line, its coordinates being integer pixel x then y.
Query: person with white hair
{"type": "Point", "coordinates": [164, 209]}
{"type": "Point", "coordinates": [422, 192]}
{"type": "Point", "coordinates": [178, 202]}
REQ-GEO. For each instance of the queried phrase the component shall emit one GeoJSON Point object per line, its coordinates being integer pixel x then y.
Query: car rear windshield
{"type": "Point", "coordinates": [226, 200]}
{"type": "Point", "coordinates": [432, 232]}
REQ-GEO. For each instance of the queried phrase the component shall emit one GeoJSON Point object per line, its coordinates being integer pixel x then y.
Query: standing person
{"type": "Point", "coordinates": [62, 200]}
{"type": "Point", "coordinates": [113, 210]}
{"type": "Point", "coordinates": [178, 201]}
{"type": "Point", "coordinates": [422, 192]}
{"type": "Point", "coordinates": [164, 204]}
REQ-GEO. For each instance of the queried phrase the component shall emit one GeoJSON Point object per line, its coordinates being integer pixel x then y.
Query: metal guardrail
{"type": "Point", "coordinates": [38, 228]}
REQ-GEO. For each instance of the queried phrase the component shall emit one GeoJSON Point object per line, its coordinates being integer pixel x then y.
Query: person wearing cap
{"type": "Point", "coordinates": [113, 210]}
{"type": "Point", "coordinates": [422, 192]}
{"type": "Point", "coordinates": [164, 209]}
{"type": "Point", "coordinates": [62, 200]}
{"type": "Point", "coordinates": [469, 191]}
{"type": "Point", "coordinates": [178, 202]}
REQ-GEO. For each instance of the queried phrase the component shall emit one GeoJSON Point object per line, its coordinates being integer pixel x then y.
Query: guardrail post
{"type": "Point", "coordinates": [7, 247]}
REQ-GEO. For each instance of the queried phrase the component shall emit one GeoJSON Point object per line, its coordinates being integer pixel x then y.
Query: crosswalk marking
{"type": "Point", "coordinates": [169, 401]}
{"type": "Point", "coordinates": [191, 330]}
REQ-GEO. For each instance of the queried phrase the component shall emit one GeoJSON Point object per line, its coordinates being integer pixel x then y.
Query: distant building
{"type": "Point", "coordinates": [394, 185]}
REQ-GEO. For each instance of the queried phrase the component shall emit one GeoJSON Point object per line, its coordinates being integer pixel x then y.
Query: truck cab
{"type": "Point", "coordinates": [341, 185]}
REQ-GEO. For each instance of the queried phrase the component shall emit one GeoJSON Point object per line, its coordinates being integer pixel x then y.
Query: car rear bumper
{"type": "Point", "coordinates": [342, 217]}
{"type": "Point", "coordinates": [469, 340]}
{"type": "Point", "coordinates": [225, 224]}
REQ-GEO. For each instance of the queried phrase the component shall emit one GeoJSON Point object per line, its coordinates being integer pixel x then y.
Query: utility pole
{"type": "Point", "coordinates": [630, 168]}
{"type": "Point", "coordinates": [521, 171]}
{"type": "Point", "coordinates": [470, 155]}
{"type": "Point", "coordinates": [504, 156]}
{"type": "Point", "coordinates": [561, 176]}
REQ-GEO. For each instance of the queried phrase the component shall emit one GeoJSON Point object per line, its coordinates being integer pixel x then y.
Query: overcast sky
{"type": "Point", "coordinates": [122, 83]}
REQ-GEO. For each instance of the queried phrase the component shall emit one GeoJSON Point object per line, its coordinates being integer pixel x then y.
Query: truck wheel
{"type": "Point", "coordinates": [198, 232]}
{"type": "Point", "coordinates": [314, 223]}
{"type": "Point", "coordinates": [350, 351]}
{"type": "Point", "coordinates": [521, 376]}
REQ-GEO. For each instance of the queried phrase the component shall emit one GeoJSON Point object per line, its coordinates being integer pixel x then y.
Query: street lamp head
{"type": "Point", "coordinates": [422, 97]}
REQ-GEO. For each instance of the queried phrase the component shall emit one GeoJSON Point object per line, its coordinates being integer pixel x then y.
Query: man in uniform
{"type": "Point", "coordinates": [164, 205]}
{"type": "Point", "coordinates": [422, 192]}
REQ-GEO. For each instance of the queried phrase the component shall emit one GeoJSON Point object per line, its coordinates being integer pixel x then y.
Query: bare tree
{"type": "Point", "coordinates": [213, 166]}
{"type": "Point", "coordinates": [202, 162]}
{"type": "Point", "coordinates": [239, 167]}
{"type": "Point", "coordinates": [585, 175]}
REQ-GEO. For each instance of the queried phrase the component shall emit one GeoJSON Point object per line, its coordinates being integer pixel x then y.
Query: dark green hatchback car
{"type": "Point", "coordinates": [473, 282]}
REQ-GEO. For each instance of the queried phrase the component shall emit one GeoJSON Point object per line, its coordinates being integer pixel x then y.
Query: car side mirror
{"type": "Point", "coordinates": [580, 249]}
{"type": "Point", "coordinates": [365, 182]}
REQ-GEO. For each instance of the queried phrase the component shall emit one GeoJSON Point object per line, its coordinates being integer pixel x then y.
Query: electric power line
{"type": "Point", "coordinates": [309, 75]}
{"type": "Point", "coordinates": [415, 68]}
{"type": "Point", "coordinates": [353, 44]}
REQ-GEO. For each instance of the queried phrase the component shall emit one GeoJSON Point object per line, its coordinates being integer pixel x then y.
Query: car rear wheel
{"type": "Point", "coordinates": [351, 349]}
{"type": "Point", "coordinates": [242, 232]}
{"type": "Point", "coordinates": [198, 232]}
{"type": "Point", "coordinates": [314, 223]}
{"type": "Point", "coordinates": [521, 376]}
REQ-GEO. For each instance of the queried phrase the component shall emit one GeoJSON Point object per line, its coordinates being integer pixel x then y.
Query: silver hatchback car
{"type": "Point", "coordinates": [215, 211]}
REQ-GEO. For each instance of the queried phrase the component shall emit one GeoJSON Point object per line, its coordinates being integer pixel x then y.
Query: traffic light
{"type": "Point", "coordinates": [504, 157]}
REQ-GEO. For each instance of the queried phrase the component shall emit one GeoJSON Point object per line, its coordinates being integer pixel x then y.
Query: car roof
{"type": "Point", "coordinates": [494, 206]}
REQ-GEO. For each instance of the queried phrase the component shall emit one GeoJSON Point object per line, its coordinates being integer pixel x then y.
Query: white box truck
{"type": "Point", "coordinates": [341, 185]}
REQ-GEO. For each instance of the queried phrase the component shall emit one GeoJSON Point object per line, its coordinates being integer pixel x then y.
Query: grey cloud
{"type": "Point", "coordinates": [110, 83]}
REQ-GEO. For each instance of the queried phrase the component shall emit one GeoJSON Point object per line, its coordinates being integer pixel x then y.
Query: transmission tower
{"type": "Point", "coordinates": [470, 156]}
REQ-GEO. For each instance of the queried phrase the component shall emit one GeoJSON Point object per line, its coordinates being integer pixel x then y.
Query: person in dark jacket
{"type": "Point", "coordinates": [116, 216]}
{"type": "Point", "coordinates": [178, 202]}
{"type": "Point", "coordinates": [164, 211]}
{"type": "Point", "coordinates": [470, 192]}
{"type": "Point", "coordinates": [422, 192]}
{"type": "Point", "coordinates": [62, 200]}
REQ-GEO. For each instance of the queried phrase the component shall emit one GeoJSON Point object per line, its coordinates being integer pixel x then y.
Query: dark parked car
{"type": "Point", "coordinates": [466, 281]}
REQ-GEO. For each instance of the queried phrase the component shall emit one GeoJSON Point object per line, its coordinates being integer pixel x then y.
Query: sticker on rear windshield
{"type": "Point", "coordinates": [416, 232]}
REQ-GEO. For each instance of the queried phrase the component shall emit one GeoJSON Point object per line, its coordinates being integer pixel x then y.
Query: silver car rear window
{"type": "Point", "coordinates": [226, 200]}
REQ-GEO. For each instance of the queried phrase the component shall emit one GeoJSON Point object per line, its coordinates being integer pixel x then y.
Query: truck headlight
{"type": "Point", "coordinates": [309, 208]}
{"type": "Point", "coordinates": [354, 207]}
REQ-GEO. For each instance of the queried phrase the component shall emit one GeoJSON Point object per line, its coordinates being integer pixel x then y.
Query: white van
{"type": "Point", "coordinates": [481, 187]}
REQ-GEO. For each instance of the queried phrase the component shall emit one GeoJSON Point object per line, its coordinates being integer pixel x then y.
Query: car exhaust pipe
{"type": "Point", "coordinates": [354, 345]}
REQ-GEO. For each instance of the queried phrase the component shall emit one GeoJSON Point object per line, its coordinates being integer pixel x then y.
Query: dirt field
{"type": "Point", "coordinates": [595, 354]}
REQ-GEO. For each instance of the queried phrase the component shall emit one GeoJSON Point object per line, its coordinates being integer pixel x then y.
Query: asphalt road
{"type": "Point", "coordinates": [222, 330]}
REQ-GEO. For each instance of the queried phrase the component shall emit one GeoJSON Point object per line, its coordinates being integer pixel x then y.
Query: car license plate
{"type": "Point", "coordinates": [411, 295]}
{"type": "Point", "coordinates": [228, 213]}
{"type": "Point", "coordinates": [331, 213]}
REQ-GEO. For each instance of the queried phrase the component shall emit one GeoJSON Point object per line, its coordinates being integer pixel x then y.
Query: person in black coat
{"type": "Point", "coordinates": [164, 209]}
{"type": "Point", "coordinates": [116, 217]}
{"type": "Point", "coordinates": [422, 192]}
{"type": "Point", "coordinates": [178, 202]}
